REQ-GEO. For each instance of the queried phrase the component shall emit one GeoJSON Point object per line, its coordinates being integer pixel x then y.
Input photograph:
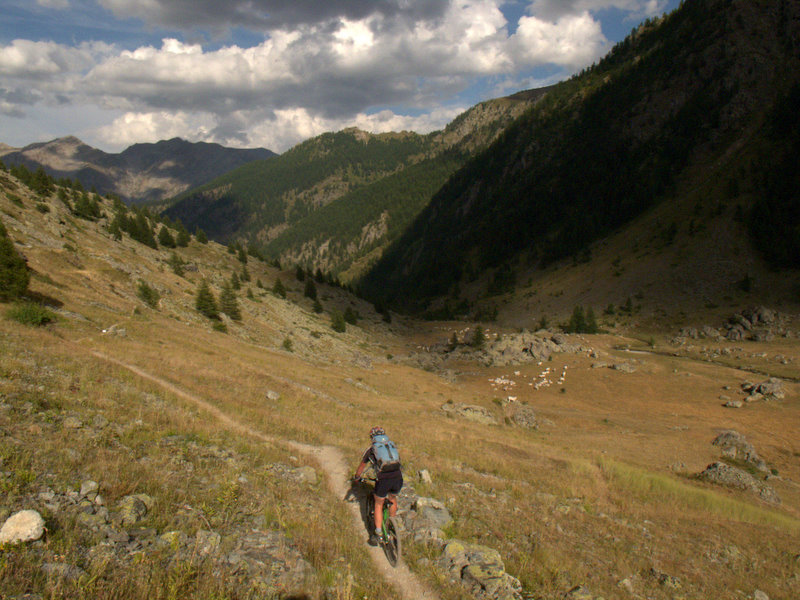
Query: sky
{"type": "Point", "coordinates": [272, 73]}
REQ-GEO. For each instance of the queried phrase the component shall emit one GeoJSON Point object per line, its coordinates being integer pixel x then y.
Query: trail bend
{"type": "Point", "coordinates": [333, 465]}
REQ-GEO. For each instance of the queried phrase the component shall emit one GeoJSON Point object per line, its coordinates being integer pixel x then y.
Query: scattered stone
{"type": "Point", "coordinates": [99, 422]}
{"type": "Point", "coordinates": [133, 509]}
{"type": "Point", "coordinates": [425, 476]}
{"type": "Point", "coordinates": [23, 526]}
{"type": "Point", "coordinates": [624, 367]}
{"type": "Point", "coordinates": [273, 396]}
{"type": "Point", "coordinates": [89, 487]}
{"type": "Point", "coordinates": [734, 404]}
{"type": "Point", "coordinates": [722, 474]}
{"type": "Point", "coordinates": [599, 365]}
{"type": "Point", "coordinates": [665, 580]}
{"type": "Point", "coordinates": [759, 595]}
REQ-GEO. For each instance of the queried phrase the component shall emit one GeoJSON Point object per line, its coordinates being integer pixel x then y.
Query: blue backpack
{"type": "Point", "coordinates": [387, 458]}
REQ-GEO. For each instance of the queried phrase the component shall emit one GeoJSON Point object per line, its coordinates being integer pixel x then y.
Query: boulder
{"type": "Point", "coordinates": [432, 512]}
{"type": "Point", "coordinates": [23, 526]}
{"type": "Point", "coordinates": [735, 446]}
{"type": "Point", "coordinates": [425, 476]}
{"type": "Point", "coordinates": [579, 592]}
{"type": "Point", "coordinates": [207, 542]}
{"type": "Point", "coordinates": [88, 488]}
{"type": "Point", "coordinates": [722, 474]}
{"type": "Point", "coordinates": [480, 570]}
{"type": "Point", "coordinates": [132, 509]}
{"type": "Point", "coordinates": [63, 571]}
{"type": "Point", "coordinates": [525, 416]}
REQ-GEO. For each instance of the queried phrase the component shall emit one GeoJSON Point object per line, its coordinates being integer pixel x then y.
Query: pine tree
{"type": "Point", "coordinates": [577, 322]}
{"type": "Point", "coordinates": [14, 275]}
{"type": "Point", "coordinates": [235, 283]}
{"type": "Point", "coordinates": [183, 238]}
{"type": "Point", "coordinates": [317, 306]}
{"type": "Point", "coordinates": [228, 303]}
{"type": "Point", "coordinates": [478, 338]}
{"type": "Point", "coordinates": [242, 256]}
{"type": "Point", "coordinates": [350, 316]}
{"type": "Point", "coordinates": [201, 236]}
{"type": "Point", "coordinates": [337, 322]}
{"type": "Point", "coordinates": [300, 273]}
{"type": "Point", "coordinates": [591, 321]}
{"type": "Point", "coordinates": [311, 289]}
{"type": "Point", "coordinates": [278, 288]}
{"type": "Point", "coordinates": [205, 301]}
{"type": "Point", "coordinates": [176, 262]}
{"type": "Point", "coordinates": [165, 237]}
{"type": "Point", "coordinates": [245, 276]}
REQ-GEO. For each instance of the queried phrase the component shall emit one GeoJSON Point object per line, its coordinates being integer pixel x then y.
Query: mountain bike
{"type": "Point", "coordinates": [390, 536]}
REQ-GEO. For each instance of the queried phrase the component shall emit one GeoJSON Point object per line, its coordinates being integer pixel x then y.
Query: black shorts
{"type": "Point", "coordinates": [387, 484]}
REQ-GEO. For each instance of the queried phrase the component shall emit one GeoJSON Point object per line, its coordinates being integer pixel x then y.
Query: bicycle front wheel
{"type": "Point", "coordinates": [391, 546]}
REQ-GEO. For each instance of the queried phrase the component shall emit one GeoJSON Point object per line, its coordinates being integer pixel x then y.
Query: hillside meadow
{"type": "Point", "coordinates": [602, 493]}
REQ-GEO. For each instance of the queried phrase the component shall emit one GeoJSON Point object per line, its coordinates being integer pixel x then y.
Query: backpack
{"type": "Point", "coordinates": [387, 458]}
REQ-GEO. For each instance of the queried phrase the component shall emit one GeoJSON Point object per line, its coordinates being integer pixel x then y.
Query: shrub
{"type": "Point", "coordinates": [147, 294]}
{"type": "Point", "coordinates": [219, 326]}
{"type": "Point", "coordinates": [31, 313]}
{"type": "Point", "coordinates": [337, 322]}
{"type": "Point", "coordinates": [350, 316]}
{"type": "Point", "coordinates": [176, 263]}
{"type": "Point", "coordinates": [14, 275]}
{"type": "Point", "coordinates": [42, 207]}
{"type": "Point", "coordinates": [205, 301]}
{"type": "Point", "coordinates": [288, 345]}
{"type": "Point", "coordinates": [317, 306]}
{"type": "Point", "coordinates": [310, 289]}
{"type": "Point", "coordinates": [278, 288]}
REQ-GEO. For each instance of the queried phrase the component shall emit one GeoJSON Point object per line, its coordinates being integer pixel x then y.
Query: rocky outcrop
{"type": "Point", "coordinates": [771, 389]}
{"type": "Point", "coordinates": [735, 447]}
{"type": "Point", "coordinates": [480, 570]}
{"type": "Point", "coordinates": [477, 414]}
{"type": "Point", "coordinates": [723, 474]}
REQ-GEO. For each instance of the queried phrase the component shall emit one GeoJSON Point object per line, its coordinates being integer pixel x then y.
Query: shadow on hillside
{"type": "Point", "coordinates": [43, 299]}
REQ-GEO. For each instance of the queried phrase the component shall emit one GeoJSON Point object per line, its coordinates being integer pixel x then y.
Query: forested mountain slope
{"type": "Point", "coordinates": [337, 197]}
{"type": "Point", "coordinates": [715, 79]}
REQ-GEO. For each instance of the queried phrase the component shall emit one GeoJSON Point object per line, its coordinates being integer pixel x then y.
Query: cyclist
{"type": "Point", "coordinates": [382, 455]}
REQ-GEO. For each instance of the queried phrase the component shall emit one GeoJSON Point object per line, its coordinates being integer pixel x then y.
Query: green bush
{"type": "Point", "coordinates": [147, 294]}
{"type": "Point", "coordinates": [14, 274]}
{"type": "Point", "coordinates": [31, 313]}
{"type": "Point", "coordinates": [337, 322]}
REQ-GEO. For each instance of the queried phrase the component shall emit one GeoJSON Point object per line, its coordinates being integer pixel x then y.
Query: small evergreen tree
{"type": "Point", "coordinates": [242, 255]}
{"type": "Point", "coordinates": [478, 338]}
{"type": "Point", "coordinates": [577, 322]}
{"type": "Point", "coordinates": [228, 303]}
{"type": "Point", "coordinates": [245, 276]}
{"type": "Point", "coordinates": [337, 322]}
{"type": "Point", "coordinates": [278, 288]}
{"type": "Point", "coordinates": [205, 301]}
{"type": "Point", "coordinates": [317, 306]}
{"type": "Point", "coordinates": [183, 238]}
{"type": "Point", "coordinates": [591, 321]}
{"type": "Point", "coordinates": [176, 263]}
{"type": "Point", "coordinates": [165, 237]}
{"type": "Point", "coordinates": [350, 316]}
{"type": "Point", "coordinates": [201, 236]}
{"type": "Point", "coordinates": [147, 294]}
{"type": "Point", "coordinates": [14, 275]}
{"type": "Point", "coordinates": [310, 290]}
{"type": "Point", "coordinates": [300, 273]}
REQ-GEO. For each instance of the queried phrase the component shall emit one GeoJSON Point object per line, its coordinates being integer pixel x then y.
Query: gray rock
{"type": "Point", "coordinates": [759, 595]}
{"type": "Point", "coordinates": [72, 423]}
{"type": "Point", "coordinates": [23, 526]}
{"type": "Point", "coordinates": [425, 476]}
{"type": "Point", "coordinates": [432, 512]}
{"type": "Point", "coordinates": [624, 367]}
{"type": "Point", "coordinates": [132, 509]}
{"type": "Point", "coordinates": [89, 487]}
{"type": "Point", "coordinates": [307, 475]}
{"type": "Point", "coordinates": [734, 404]}
{"type": "Point", "coordinates": [722, 474]}
{"type": "Point", "coordinates": [273, 396]}
{"type": "Point", "coordinates": [525, 416]}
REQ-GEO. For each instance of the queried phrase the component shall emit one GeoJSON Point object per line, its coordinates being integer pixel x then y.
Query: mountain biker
{"type": "Point", "coordinates": [389, 481]}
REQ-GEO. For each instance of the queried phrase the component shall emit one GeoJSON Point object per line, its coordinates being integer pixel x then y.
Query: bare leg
{"type": "Point", "coordinates": [392, 505]}
{"type": "Point", "coordinates": [379, 513]}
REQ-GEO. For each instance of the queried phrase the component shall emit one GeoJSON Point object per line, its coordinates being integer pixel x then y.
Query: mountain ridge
{"type": "Point", "coordinates": [143, 172]}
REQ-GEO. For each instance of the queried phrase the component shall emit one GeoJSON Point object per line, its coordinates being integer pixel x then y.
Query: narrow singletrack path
{"type": "Point", "coordinates": [330, 460]}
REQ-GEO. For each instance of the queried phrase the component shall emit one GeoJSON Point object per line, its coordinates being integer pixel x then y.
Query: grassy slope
{"type": "Point", "coordinates": [592, 498]}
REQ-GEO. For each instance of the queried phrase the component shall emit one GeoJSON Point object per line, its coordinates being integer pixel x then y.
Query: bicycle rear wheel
{"type": "Point", "coordinates": [391, 546]}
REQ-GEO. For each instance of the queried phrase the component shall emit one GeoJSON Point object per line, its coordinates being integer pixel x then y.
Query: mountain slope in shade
{"type": "Point", "coordinates": [647, 125]}
{"type": "Point", "coordinates": [141, 173]}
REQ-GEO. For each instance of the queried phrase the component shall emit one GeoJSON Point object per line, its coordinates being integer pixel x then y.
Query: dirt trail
{"type": "Point", "coordinates": [333, 465]}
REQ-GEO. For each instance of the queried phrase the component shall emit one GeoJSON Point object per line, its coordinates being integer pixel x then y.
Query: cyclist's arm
{"type": "Point", "coordinates": [365, 461]}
